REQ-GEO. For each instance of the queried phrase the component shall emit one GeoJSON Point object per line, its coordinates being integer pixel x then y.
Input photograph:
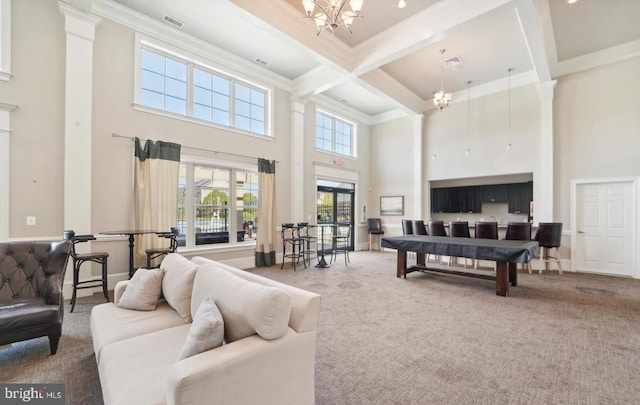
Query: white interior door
{"type": "Point", "coordinates": [605, 228]}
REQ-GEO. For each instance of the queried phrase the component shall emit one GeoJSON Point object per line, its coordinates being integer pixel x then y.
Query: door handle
{"type": "Point", "coordinates": [580, 231]}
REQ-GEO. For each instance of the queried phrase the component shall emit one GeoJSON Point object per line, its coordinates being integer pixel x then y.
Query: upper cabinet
{"type": "Point", "coordinates": [495, 193]}
{"type": "Point", "coordinates": [520, 195]}
{"type": "Point", "coordinates": [469, 199]}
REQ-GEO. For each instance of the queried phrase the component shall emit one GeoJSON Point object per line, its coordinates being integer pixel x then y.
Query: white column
{"type": "Point", "coordinates": [297, 161]}
{"type": "Point", "coordinates": [543, 184]}
{"type": "Point", "coordinates": [80, 30]}
{"type": "Point", "coordinates": [5, 132]}
{"type": "Point", "coordinates": [418, 166]}
{"type": "Point", "coordinates": [5, 40]}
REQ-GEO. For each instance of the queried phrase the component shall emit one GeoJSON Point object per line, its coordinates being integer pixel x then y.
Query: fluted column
{"type": "Point", "coordinates": [297, 161]}
{"type": "Point", "coordinates": [80, 31]}
{"type": "Point", "coordinates": [418, 166]}
{"type": "Point", "coordinates": [543, 184]}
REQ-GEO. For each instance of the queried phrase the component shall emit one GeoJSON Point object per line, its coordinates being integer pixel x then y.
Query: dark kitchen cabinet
{"type": "Point", "coordinates": [439, 200]}
{"type": "Point", "coordinates": [520, 194]}
{"type": "Point", "coordinates": [471, 199]}
{"type": "Point", "coordinates": [495, 193]}
{"type": "Point", "coordinates": [456, 200]}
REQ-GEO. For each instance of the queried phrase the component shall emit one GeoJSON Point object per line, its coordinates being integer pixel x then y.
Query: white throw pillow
{"type": "Point", "coordinates": [143, 291]}
{"type": "Point", "coordinates": [207, 330]}
{"type": "Point", "coordinates": [177, 283]}
{"type": "Point", "coordinates": [247, 307]}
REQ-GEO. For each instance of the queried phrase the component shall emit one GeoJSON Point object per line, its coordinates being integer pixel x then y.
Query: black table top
{"type": "Point", "coordinates": [510, 251]}
{"type": "Point", "coordinates": [128, 232]}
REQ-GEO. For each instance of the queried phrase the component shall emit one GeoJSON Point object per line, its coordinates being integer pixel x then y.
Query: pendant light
{"type": "Point", "coordinates": [468, 151]}
{"type": "Point", "coordinates": [509, 113]}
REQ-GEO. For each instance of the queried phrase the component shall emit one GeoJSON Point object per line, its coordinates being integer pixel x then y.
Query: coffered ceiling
{"type": "Point", "coordinates": [390, 64]}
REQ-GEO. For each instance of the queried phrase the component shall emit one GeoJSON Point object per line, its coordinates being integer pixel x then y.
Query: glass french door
{"type": "Point", "coordinates": [335, 206]}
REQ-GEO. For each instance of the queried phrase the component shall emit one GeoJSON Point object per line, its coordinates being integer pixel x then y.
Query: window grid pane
{"type": "Point", "coordinates": [164, 82]}
{"type": "Point", "coordinates": [249, 108]}
{"type": "Point", "coordinates": [334, 135]}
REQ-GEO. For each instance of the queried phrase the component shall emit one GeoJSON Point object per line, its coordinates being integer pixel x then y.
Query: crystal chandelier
{"type": "Point", "coordinates": [330, 14]}
{"type": "Point", "coordinates": [441, 99]}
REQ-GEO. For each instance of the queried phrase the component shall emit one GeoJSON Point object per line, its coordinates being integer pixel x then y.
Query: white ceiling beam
{"type": "Point", "coordinates": [418, 31]}
{"type": "Point", "coordinates": [317, 81]}
{"type": "Point", "coordinates": [379, 82]}
{"type": "Point", "coordinates": [610, 55]}
{"type": "Point", "coordinates": [535, 22]}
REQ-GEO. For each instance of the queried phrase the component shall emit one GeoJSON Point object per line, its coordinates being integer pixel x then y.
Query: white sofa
{"type": "Point", "coordinates": [137, 351]}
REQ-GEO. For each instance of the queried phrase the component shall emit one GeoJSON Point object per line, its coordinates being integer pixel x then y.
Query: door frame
{"type": "Point", "coordinates": [635, 197]}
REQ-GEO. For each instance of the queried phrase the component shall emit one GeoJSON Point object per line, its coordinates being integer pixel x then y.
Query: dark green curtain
{"type": "Point", "coordinates": [266, 219]}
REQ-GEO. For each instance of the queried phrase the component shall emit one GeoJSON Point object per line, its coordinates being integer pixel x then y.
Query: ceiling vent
{"type": "Point", "coordinates": [172, 21]}
{"type": "Point", "coordinates": [452, 63]}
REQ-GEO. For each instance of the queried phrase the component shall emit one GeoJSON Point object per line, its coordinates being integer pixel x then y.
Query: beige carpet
{"type": "Point", "coordinates": [429, 339]}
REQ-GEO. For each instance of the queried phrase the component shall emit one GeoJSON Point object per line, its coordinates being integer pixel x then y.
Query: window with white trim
{"type": "Point", "coordinates": [210, 208]}
{"type": "Point", "coordinates": [180, 86]}
{"type": "Point", "coordinates": [334, 134]}
{"type": "Point", "coordinates": [5, 40]}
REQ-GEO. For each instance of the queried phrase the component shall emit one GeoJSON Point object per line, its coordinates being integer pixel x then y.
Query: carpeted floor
{"type": "Point", "coordinates": [429, 339]}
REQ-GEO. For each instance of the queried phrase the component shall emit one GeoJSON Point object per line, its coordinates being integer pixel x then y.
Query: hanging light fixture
{"type": "Point", "coordinates": [331, 15]}
{"type": "Point", "coordinates": [468, 151]}
{"type": "Point", "coordinates": [509, 109]}
{"type": "Point", "coordinates": [441, 99]}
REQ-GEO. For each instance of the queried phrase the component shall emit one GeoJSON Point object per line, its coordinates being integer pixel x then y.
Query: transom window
{"type": "Point", "coordinates": [212, 211]}
{"type": "Point", "coordinates": [182, 87]}
{"type": "Point", "coordinates": [334, 134]}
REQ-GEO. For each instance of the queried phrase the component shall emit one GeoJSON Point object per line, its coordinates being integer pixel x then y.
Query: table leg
{"type": "Point", "coordinates": [513, 274]}
{"type": "Point", "coordinates": [131, 265]}
{"type": "Point", "coordinates": [402, 263]}
{"type": "Point", "coordinates": [502, 279]}
{"type": "Point", "coordinates": [420, 259]}
{"type": "Point", "coordinates": [322, 263]}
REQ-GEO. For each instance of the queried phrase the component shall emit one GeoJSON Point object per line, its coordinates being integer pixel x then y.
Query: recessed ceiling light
{"type": "Point", "coordinates": [401, 3]}
{"type": "Point", "coordinates": [571, 1]}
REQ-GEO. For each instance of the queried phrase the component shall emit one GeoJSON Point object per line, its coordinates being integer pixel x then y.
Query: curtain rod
{"type": "Point", "coordinates": [113, 134]}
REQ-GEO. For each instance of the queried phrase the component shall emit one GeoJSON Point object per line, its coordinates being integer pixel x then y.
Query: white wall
{"type": "Point", "coordinates": [597, 128]}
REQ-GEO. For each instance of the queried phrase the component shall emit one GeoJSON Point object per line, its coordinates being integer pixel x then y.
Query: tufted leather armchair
{"type": "Point", "coordinates": [31, 302]}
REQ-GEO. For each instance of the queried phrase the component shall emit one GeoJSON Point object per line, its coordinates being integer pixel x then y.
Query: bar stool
{"type": "Point", "coordinates": [290, 238]}
{"type": "Point", "coordinates": [308, 239]}
{"type": "Point", "coordinates": [407, 227]}
{"type": "Point", "coordinates": [519, 231]}
{"type": "Point", "coordinates": [436, 228]}
{"type": "Point", "coordinates": [79, 259]}
{"type": "Point", "coordinates": [155, 253]}
{"type": "Point", "coordinates": [375, 228]}
{"type": "Point", "coordinates": [548, 236]}
{"type": "Point", "coordinates": [418, 227]}
{"type": "Point", "coordinates": [485, 230]}
{"type": "Point", "coordinates": [340, 241]}
{"type": "Point", "coordinates": [458, 229]}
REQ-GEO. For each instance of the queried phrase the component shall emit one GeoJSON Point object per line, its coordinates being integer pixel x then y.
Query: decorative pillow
{"type": "Point", "coordinates": [177, 283]}
{"type": "Point", "coordinates": [143, 290]}
{"type": "Point", "coordinates": [247, 307]}
{"type": "Point", "coordinates": [207, 330]}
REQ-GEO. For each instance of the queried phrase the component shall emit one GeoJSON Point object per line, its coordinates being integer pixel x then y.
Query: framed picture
{"type": "Point", "coordinates": [392, 205]}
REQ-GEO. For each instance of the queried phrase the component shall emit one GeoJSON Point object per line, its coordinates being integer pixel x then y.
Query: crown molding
{"type": "Point", "coordinates": [340, 109]}
{"type": "Point", "coordinates": [120, 14]}
{"type": "Point", "coordinates": [604, 57]}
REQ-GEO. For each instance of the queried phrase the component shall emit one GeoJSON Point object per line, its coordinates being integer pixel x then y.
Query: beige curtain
{"type": "Point", "coordinates": [266, 219]}
{"type": "Point", "coordinates": [155, 187]}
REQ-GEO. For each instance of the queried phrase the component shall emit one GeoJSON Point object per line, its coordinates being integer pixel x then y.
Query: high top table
{"type": "Point", "coordinates": [131, 234]}
{"type": "Point", "coordinates": [506, 253]}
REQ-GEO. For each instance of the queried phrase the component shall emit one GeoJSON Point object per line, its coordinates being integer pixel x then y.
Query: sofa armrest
{"type": "Point", "coordinates": [118, 290]}
{"type": "Point", "coordinates": [248, 371]}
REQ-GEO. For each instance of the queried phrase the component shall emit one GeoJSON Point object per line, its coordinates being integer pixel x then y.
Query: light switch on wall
{"type": "Point", "coordinates": [31, 220]}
